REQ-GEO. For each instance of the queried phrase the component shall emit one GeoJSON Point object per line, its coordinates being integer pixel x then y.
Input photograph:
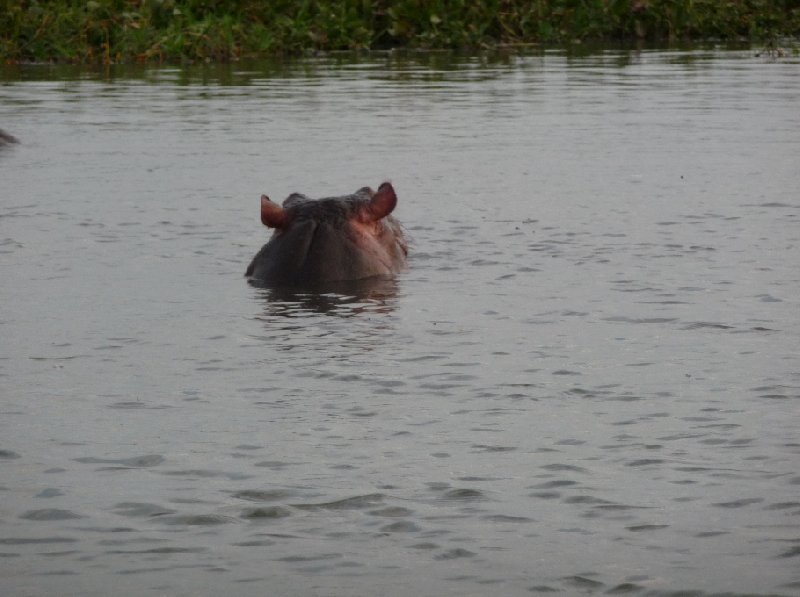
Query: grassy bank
{"type": "Point", "coordinates": [156, 30]}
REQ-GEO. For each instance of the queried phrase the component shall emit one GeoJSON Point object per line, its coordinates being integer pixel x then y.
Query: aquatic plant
{"type": "Point", "coordinates": [144, 30]}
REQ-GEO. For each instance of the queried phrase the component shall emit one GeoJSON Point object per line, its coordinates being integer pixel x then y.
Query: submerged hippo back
{"type": "Point", "coordinates": [331, 239]}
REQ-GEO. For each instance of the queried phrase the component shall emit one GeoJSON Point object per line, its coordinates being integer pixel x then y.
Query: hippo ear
{"type": "Point", "coordinates": [382, 203]}
{"type": "Point", "coordinates": [272, 214]}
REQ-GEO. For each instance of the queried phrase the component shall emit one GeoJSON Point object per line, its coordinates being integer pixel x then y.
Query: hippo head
{"type": "Point", "coordinates": [330, 240]}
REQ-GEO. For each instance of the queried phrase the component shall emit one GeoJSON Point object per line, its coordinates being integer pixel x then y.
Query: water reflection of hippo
{"type": "Point", "coordinates": [329, 240]}
{"type": "Point", "coordinates": [351, 298]}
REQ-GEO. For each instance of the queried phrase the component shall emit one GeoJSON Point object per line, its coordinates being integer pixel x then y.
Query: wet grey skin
{"type": "Point", "coordinates": [334, 239]}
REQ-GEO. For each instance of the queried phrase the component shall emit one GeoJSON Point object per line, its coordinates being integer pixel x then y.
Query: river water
{"type": "Point", "coordinates": [587, 382]}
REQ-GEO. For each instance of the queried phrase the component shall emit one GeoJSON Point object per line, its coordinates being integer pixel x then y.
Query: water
{"type": "Point", "coordinates": [586, 383]}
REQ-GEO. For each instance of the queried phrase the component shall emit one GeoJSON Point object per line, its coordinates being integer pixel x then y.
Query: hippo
{"type": "Point", "coordinates": [334, 239]}
{"type": "Point", "coordinates": [6, 138]}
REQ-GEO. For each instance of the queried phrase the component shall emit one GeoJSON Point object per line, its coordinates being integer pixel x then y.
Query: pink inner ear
{"type": "Point", "coordinates": [382, 203]}
{"type": "Point", "coordinates": [272, 214]}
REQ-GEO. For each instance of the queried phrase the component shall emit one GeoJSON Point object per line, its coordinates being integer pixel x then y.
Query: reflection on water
{"type": "Point", "coordinates": [586, 383]}
{"type": "Point", "coordinates": [343, 299]}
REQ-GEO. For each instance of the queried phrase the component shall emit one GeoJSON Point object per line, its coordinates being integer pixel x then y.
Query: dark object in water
{"type": "Point", "coordinates": [318, 241]}
{"type": "Point", "coordinates": [6, 138]}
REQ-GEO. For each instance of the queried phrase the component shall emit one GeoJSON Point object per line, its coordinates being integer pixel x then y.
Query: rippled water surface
{"type": "Point", "coordinates": [587, 382]}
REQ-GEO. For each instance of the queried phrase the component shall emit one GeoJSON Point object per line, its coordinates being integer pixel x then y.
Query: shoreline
{"type": "Point", "coordinates": [173, 31]}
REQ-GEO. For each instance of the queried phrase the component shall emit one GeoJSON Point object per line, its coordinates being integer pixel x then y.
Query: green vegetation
{"type": "Point", "coordinates": [155, 30]}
